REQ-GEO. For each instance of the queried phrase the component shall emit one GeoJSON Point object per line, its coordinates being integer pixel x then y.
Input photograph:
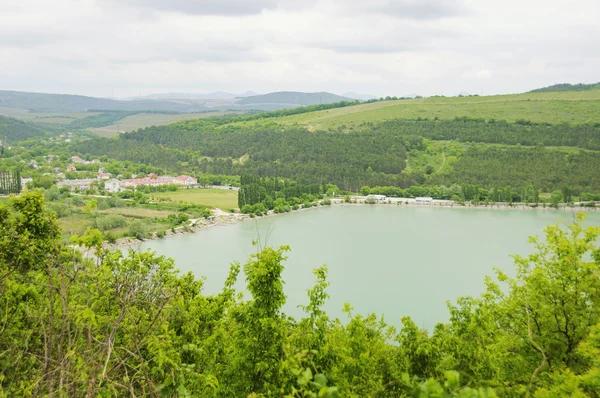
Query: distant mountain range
{"type": "Point", "coordinates": [65, 103]}
{"type": "Point", "coordinates": [169, 102]}
{"type": "Point", "coordinates": [567, 87]}
{"type": "Point", "coordinates": [214, 95]}
{"type": "Point", "coordinates": [293, 98]}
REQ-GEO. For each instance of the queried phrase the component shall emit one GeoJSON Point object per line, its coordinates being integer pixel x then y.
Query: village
{"type": "Point", "coordinates": [117, 184]}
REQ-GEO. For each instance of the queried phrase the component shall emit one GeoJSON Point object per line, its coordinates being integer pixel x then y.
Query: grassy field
{"type": "Point", "coordinates": [561, 107]}
{"type": "Point", "coordinates": [137, 212]}
{"type": "Point", "coordinates": [220, 198]}
{"type": "Point", "coordinates": [142, 120]}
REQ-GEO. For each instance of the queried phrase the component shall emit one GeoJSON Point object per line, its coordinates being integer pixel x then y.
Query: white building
{"type": "Point", "coordinates": [423, 199]}
{"type": "Point", "coordinates": [76, 185]}
{"type": "Point", "coordinates": [25, 181]}
{"type": "Point", "coordinates": [104, 176]}
{"type": "Point", "coordinates": [113, 185]}
{"type": "Point", "coordinates": [185, 180]}
{"type": "Point", "coordinates": [378, 198]}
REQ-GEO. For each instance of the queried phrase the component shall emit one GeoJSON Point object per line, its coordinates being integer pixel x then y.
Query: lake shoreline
{"type": "Point", "coordinates": [223, 218]}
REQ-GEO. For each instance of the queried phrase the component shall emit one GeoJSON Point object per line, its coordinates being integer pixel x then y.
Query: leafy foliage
{"type": "Point", "coordinates": [117, 324]}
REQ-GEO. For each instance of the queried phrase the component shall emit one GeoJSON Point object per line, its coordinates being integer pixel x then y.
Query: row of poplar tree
{"type": "Point", "coordinates": [10, 182]}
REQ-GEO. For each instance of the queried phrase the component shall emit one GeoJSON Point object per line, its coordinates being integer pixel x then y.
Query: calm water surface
{"type": "Point", "coordinates": [388, 260]}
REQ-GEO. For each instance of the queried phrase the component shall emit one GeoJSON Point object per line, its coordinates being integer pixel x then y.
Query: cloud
{"type": "Point", "coordinates": [426, 10]}
{"type": "Point", "coordinates": [382, 47]}
{"type": "Point", "coordinates": [419, 9]}
{"type": "Point", "coordinates": [208, 7]}
{"type": "Point", "coordinates": [483, 74]}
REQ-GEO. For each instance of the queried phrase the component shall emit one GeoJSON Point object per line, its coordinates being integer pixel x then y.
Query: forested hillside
{"type": "Point", "coordinates": [399, 153]}
{"type": "Point", "coordinates": [13, 130]}
{"type": "Point", "coordinates": [116, 324]}
{"type": "Point", "coordinates": [567, 87]}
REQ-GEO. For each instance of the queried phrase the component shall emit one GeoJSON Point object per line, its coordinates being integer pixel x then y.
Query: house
{"type": "Point", "coordinates": [154, 180]}
{"type": "Point", "coordinates": [76, 185]}
{"type": "Point", "coordinates": [423, 199]}
{"type": "Point", "coordinates": [134, 182]}
{"type": "Point", "coordinates": [377, 197]}
{"type": "Point", "coordinates": [25, 181]}
{"type": "Point", "coordinates": [71, 167]}
{"type": "Point", "coordinates": [113, 185]}
{"type": "Point", "coordinates": [185, 180]}
{"type": "Point", "coordinates": [76, 159]}
{"type": "Point", "coordinates": [104, 176]}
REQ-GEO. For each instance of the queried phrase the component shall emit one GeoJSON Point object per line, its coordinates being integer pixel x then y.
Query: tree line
{"type": "Point", "coordinates": [10, 182]}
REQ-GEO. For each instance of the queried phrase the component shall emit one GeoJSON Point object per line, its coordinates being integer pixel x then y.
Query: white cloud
{"type": "Point", "coordinates": [383, 47]}
{"type": "Point", "coordinates": [484, 74]}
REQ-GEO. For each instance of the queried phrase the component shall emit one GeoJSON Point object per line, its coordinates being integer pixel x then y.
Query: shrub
{"type": "Point", "coordinates": [110, 237]}
{"type": "Point", "coordinates": [177, 219]}
{"type": "Point", "coordinates": [137, 230]}
{"type": "Point", "coordinates": [109, 222]}
{"type": "Point", "coordinates": [326, 202]}
{"type": "Point", "coordinates": [62, 210]}
{"type": "Point", "coordinates": [246, 209]}
{"type": "Point", "coordinates": [77, 201]}
{"type": "Point", "coordinates": [160, 234]}
{"type": "Point", "coordinates": [52, 194]}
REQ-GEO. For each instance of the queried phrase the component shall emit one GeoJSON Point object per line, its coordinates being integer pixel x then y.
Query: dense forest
{"type": "Point", "coordinates": [494, 153]}
{"type": "Point", "coordinates": [13, 130]}
{"type": "Point", "coordinates": [545, 169]}
{"type": "Point", "coordinates": [118, 324]}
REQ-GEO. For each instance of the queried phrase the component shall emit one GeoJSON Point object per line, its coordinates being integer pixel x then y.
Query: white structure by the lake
{"type": "Point", "coordinates": [377, 197]}
{"type": "Point", "coordinates": [423, 199]}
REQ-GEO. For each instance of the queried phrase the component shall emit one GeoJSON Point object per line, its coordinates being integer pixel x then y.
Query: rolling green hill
{"type": "Point", "coordinates": [293, 98]}
{"type": "Point", "coordinates": [13, 130]}
{"type": "Point", "coordinates": [575, 107]}
{"type": "Point", "coordinates": [546, 141]}
{"type": "Point", "coordinates": [567, 87]}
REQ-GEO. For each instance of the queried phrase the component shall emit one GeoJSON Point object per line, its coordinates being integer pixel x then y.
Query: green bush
{"type": "Point", "coordinates": [177, 219]}
{"type": "Point", "coordinates": [109, 222]}
{"type": "Point", "coordinates": [160, 234]}
{"type": "Point", "coordinates": [52, 194]}
{"type": "Point", "coordinates": [110, 237]}
{"type": "Point", "coordinates": [77, 201]}
{"type": "Point", "coordinates": [62, 210]}
{"type": "Point", "coordinates": [137, 230]}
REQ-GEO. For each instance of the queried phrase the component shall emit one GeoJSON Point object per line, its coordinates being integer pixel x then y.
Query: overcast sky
{"type": "Point", "coordinates": [120, 48]}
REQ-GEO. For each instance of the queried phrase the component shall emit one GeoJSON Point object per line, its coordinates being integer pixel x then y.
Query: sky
{"type": "Point", "coordinates": [124, 48]}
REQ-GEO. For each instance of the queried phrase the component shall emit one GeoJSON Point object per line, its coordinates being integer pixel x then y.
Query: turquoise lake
{"type": "Point", "coordinates": [388, 260]}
